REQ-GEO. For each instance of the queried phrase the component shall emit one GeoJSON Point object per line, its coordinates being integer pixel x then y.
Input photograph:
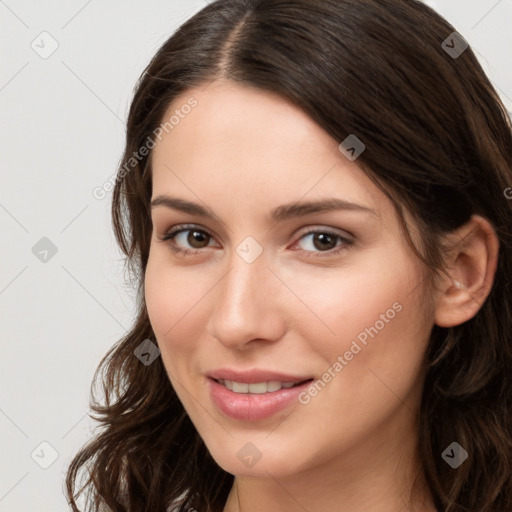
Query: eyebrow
{"type": "Point", "coordinates": [278, 214]}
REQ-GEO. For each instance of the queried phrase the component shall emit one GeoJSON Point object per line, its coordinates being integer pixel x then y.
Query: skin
{"type": "Point", "coordinates": [242, 152]}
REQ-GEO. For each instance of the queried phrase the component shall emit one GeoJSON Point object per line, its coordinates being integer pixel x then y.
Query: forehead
{"type": "Point", "coordinates": [254, 145]}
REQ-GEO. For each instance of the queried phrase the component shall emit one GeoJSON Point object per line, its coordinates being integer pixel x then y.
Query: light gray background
{"type": "Point", "coordinates": [62, 135]}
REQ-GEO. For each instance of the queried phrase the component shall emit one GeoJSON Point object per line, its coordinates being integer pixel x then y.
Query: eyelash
{"type": "Point", "coordinates": [167, 238]}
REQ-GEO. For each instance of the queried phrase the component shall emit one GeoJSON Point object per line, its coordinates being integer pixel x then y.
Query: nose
{"type": "Point", "coordinates": [248, 305]}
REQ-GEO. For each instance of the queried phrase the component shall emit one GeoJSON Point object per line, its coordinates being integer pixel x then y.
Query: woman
{"type": "Point", "coordinates": [312, 204]}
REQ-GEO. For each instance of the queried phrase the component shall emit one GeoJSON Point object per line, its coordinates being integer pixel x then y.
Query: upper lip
{"type": "Point", "coordinates": [254, 375]}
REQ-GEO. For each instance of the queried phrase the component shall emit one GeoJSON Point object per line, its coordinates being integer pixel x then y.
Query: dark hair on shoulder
{"type": "Point", "coordinates": [438, 144]}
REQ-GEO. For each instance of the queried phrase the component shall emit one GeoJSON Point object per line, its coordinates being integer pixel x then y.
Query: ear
{"type": "Point", "coordinates": [472, 259]}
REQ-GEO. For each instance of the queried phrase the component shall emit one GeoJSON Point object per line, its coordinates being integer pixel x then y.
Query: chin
{"type": "Point", "coordinates": [245, 459]}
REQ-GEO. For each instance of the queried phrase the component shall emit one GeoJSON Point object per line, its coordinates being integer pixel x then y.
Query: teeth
{"type": "Point", "coordinates": [274, 385]}
{"type": "Point", "coordinates": [240, 387]}
{"type": "Point", "coordinates": [257, 387]}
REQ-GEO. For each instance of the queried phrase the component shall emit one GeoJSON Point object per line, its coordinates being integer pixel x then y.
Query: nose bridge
{"type": "Point", "coordinates": [245, 299]}
{"type": "Point", "coordinates": [244, 284]}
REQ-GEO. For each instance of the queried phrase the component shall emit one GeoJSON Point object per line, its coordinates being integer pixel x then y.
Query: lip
{"type": "Point", "coordinates": [255, 375]}
{"type": "Point", "coordinates": [253, 407]}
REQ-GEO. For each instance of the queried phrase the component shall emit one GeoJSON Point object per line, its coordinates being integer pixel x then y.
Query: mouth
{"type": "Point", "coordinates": [259, 388]}
{"type": "Point", "coordinates": [255, 401]}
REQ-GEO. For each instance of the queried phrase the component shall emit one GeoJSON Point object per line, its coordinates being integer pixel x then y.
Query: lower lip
{"type": "Point", "coordinates": [253, 407]}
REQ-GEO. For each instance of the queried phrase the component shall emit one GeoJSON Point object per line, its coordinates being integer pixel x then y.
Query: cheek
{"type": "Point", "coordinates": [371, 327]}
{"type": "Point", "coordinates": [169, 293]}
{"type": "Point", "coordinates": [159, 297]}
{"type": "Point", "coordinates": [337, 305]}
{"type": "Point", "coordinates": [171, 303]}
{"type": "Point", "coordinates": [168, 300]}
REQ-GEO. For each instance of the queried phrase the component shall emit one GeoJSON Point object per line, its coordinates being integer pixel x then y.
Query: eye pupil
{"type": "Point", "coordinates": [195, 238]}
{"type": "Point", "coordinates": [324, 237]}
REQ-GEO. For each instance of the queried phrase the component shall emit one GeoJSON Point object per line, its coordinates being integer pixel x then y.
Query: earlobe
{"type": "Point", "coordinates": [472, 262]}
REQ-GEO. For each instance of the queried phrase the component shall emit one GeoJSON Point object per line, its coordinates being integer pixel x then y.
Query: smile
{"type": "Point", "coordinates": [254, 401]}
{"type": "Point", "coordinates": [257, 387]}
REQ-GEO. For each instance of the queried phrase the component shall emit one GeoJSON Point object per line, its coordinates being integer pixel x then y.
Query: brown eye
{"type": "Point", "coordinates": [197, 238]}
{"type": "Point", "coordinates": [190, 241]}
{"type": "Point", "coordinates": [322, 241]}
{"type": "Point", "coordinates": [187, 239]}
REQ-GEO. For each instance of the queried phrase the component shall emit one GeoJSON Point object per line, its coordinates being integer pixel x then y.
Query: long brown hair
{"type": "Point", "coordinates": [438, 143]}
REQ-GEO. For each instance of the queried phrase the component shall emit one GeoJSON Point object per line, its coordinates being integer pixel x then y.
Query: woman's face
{"type": "Point", "coordinates": [271, 285]}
